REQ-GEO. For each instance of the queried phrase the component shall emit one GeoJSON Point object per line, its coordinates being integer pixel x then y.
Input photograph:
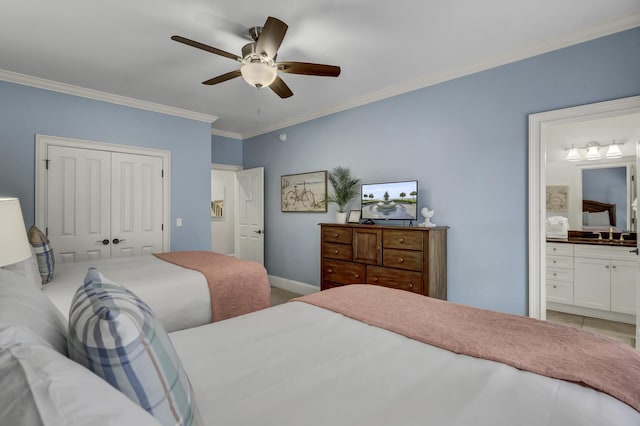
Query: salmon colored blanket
{"type": "Point", "coordinates": [236, 286]}
{"type": "Point", "coordinates": [540, 347]}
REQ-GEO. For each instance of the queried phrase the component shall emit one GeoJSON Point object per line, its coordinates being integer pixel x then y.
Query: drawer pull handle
{"type": "Point", "coordinates": [401, 240]}
{"type": "Point", "coordinates": [554, 274]}
{"type": "Point", "coordinates": [410, 285]}
{"type": "Point", "coordinates": [329, 270]}
{"type": "Point", "coordinates": [335, 252]}
{"type": "Point", "coordinates": [555, 261]}
{"type": "Point", "coordinates": [356, 276]}
{"type": "Point", "coordinates": [554, 249]}
{"type": "Point", "coordinates": [375, 280]}
{"type": "Point", "coordinates": [335, 235]}
{"type": "Point", "coordinates": [400, 260]}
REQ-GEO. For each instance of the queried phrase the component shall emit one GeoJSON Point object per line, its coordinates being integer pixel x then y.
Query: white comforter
{"type": "Point", "coordinates": [297, 364]}
{"type": "Point", "coordinates": [179, 297]}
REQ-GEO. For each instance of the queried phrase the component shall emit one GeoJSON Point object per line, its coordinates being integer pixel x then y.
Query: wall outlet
{"type": "Point", "coordinates": [178, 221]}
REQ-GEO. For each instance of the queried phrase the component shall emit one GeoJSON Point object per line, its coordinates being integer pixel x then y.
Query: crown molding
{"type": "Point", "coordinates": [576, 37]}
{"type": "Point", "coordinates": [41, 83]}
{"type": "Point", "coordinates": [224, 133]}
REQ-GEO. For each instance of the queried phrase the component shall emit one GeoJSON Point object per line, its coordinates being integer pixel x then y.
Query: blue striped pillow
{"type": "Point", "coordinates": [115, 334]}
{"type": "Point", "coordinates": [44, 253]}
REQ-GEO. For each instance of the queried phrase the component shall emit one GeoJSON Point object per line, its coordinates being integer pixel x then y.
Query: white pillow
{"type": "Point", "coordinates": [42, 387]}
{"type": "Point", "coordinates": [115, 334]}
{"type": "Point", "coordinates": [29, 269]}
{"type": "Point", "coordinates": [599, 218]}
{"type": "Point", "coordinates": [26, 308]}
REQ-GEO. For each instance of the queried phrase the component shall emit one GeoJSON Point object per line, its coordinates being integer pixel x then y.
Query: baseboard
{"type": "Point", "coordinates": [291, 285]}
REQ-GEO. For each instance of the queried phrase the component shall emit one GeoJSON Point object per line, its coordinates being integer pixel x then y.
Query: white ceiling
{"type": "Point", "coordinates": [123, 47]}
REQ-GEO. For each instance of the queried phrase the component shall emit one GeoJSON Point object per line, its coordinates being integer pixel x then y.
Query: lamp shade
{"type": "Point", "coordinates": [613, 151]}
{"type": "Point", "coordinates": [258, 74]}
{"type": "Point", "coordinates": [14, 245]}
{"type": "Point", "coordinates": [593, 153]}
{"type": "Point", "coordinates": [573, 154]}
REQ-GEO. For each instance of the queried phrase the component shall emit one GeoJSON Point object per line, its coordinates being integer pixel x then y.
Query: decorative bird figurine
{"type": "Point", "coordinates": [427, 214]}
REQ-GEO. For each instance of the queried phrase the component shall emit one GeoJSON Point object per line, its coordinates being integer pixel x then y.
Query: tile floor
{"type": "Point", "coordinates": [279, 295]}
{"type": "Point", "coordinates": [625, 333]}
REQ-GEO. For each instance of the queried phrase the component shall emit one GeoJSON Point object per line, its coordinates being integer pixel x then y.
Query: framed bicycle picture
{"type": "Point", "coordinates": [304, 192]}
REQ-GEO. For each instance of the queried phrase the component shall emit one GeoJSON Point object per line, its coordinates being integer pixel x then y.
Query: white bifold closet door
{"type": "Point", "coordinates": [103, 204]}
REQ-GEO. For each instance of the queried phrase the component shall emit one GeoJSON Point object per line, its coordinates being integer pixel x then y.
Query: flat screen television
{"type": "Point", "coordinates": [390, 200]}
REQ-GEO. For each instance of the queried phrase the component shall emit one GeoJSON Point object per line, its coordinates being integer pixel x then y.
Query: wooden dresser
{"type": "Point", "coordinates": [408, 258]}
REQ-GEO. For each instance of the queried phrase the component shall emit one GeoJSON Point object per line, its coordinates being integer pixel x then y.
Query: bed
{"type": "Point", "coordinates": [300, 363]}
{"type": "Point", "coordinates": [180, 296]}
{"type": "Point", "coordinates": [598, 216]}
{"type": "Point", "coordinates": [339, 357]}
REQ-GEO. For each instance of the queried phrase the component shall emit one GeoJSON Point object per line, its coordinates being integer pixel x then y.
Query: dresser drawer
{"type": "Point", "coordinates": [560, 292]}
{"type": "Point", "coordinates": [404, 280]}
{"type": "Point", "coordinates": [407, 240]}
{"type": "Point", "coordinates": [337, 251]}
{"type": "Point", "coordinates": [402, 259]}
{"type": "Point", "coordinates": [564, 262]}
{"type": "Point", "coordinates": [559, 274]}
{"type": "Point", "coordinates": [335, 234]}
{"type": "Point", "coordinates": [341, 272]}
{"type": "Point", "coordinates": [560, 249]}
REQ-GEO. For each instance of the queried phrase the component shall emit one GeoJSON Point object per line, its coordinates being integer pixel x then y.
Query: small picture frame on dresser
{"type": "Point", "coordinates": [354, 216]}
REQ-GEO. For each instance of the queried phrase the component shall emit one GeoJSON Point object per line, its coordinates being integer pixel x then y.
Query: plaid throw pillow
{"type": "Point", "coordinates": [44, 253]}
{"type": "Point", "coordinates": [115, 334]}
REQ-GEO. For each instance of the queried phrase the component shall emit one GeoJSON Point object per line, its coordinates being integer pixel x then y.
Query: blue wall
{"type": "Point", "coordinates": [27, 111]}
{"type": "Point", "coordinates": [226, 150]}
{"type": "Point", "coordinates": [466, 141]}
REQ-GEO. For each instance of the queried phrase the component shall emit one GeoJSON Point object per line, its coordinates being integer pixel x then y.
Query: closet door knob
{"type": "Point", "coordinates": [116, 241]}
{"type": "Point", "coordinates": [105, 241]}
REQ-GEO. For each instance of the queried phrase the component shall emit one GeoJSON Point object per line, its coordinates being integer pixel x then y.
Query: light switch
{"type": "Point", "coordinates": [178, 221]}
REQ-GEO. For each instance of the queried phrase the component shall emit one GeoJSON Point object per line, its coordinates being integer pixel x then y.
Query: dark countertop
{"type": "Point", "coordinates": [593, 241]}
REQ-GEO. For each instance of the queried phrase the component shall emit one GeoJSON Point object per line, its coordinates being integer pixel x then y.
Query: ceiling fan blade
{"type": "Point", "coordinates": [223, 77]}
{"type": "Point", "coordinates": [309, 69]}
{"type": "Point", "coordinates": [205, 47]}
{"type": "Point", "coordinates": [271, 37]}
{"type": "Point", "coordinates": [280, 88]}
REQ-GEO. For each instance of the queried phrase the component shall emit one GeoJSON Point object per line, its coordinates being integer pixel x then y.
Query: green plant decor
{"type": "Point", "coordinates": [345, 187]}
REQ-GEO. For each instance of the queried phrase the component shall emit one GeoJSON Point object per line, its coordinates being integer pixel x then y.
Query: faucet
{"type": "Point", "coordinates": [622, 234]}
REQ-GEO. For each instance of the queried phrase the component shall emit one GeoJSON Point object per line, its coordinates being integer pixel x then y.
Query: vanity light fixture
{"type": "Point", "coordinates": [613, 151]}
{"type": "Point", "coordinates": [573, 154]}
{"type": "Point", "coordinates": [593, 151]}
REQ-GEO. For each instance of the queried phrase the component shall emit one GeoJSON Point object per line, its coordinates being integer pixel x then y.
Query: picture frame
{"type": "Point", "coordinates": [558, 198]}
{"type": "Point", "coordinates": [304, 192]}
{"type": "Point", "coordinates": [354, 216]}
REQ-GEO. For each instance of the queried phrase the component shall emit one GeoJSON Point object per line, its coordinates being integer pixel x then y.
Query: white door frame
{"type": "Point", "coordinates": [538, 125]}
{"type": "Point", "coordinates": [44, 141]}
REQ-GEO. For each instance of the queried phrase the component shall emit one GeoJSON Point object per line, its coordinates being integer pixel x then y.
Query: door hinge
{"type": "Point", "coordinates": [46, 231]}
{"type": "Point", "coordinates": [162, 227]}
{"type": "Point", "coordinates": [46, 164]}
{"type": "Point", "coordinates": [162, 173]}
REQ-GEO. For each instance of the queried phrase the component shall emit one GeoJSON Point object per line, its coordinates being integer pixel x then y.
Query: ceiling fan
{"type": "Point", "coordinates": [259, 67]}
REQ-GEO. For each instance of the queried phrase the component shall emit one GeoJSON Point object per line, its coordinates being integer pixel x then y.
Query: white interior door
{"type": "Point", "coordinates": [250, 215]}
{"type": "Point", "coordinates": [77, 203]}
{"type": "Point", "coordinates": [136, 204]}
{"type": "Point", "coordinates": [637, 192]}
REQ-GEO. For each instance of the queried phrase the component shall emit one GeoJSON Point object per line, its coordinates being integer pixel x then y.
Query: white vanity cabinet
{"type": "Point", "coordinates": [605, 278]}
{"type": "Point", "coordinates": [559, 274]}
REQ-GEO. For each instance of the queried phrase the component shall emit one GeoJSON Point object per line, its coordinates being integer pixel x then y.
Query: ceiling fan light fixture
{"type": "Point", "coordinates": [258, 74]}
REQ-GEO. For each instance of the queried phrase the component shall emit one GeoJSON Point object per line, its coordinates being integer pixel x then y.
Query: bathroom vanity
{"type": "Point", "coordinates": [593, 275]}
